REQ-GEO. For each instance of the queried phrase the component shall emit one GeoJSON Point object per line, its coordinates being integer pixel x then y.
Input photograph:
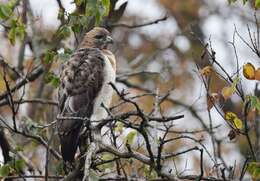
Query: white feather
{"type": "Point", "coordinates": [105, 94]}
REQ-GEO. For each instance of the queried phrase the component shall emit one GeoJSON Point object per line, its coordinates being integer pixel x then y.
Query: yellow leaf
{"type": "Point", "coordinates": [249, 71]}
{"type": "Point", "coordinates": [257, 74]}
{"type": "Point", "coordinates": [230, 116]}
{"type": "Point", "coordinates": [206, 70]}
{"type": "Point", "coordinates": [227, 92]}
{"type": "Point", "coordinates": [238, 123]}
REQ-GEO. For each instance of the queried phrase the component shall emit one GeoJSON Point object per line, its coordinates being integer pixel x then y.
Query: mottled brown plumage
{"type": "Point", "coordinates": [82, 78]}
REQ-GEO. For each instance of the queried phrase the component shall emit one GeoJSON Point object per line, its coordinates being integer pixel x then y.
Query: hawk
{"type": "Point", "coordinates": [84, 86]}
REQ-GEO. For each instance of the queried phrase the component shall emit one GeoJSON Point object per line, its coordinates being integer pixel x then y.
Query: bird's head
{"type": "Point", "coordinates": [97, 38]}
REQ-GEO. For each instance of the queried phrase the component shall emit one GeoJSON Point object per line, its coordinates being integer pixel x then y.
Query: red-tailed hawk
{"type": "Point", "coordinates": [84, 86]}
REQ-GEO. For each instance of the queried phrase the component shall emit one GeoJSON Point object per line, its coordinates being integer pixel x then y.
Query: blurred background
{"type": "Point", "coordinates": [166, 57]}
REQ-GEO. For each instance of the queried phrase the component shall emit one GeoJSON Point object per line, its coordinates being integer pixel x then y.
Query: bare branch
{"type": "Point", "coordinates": [139, 25]}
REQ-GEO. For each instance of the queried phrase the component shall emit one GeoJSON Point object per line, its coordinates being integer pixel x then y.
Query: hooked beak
{"type": "Point", "coordinates": [109, 40]}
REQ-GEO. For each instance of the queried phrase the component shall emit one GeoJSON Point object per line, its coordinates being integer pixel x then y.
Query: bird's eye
{"type": "Point", "coordinates": [99, 36]}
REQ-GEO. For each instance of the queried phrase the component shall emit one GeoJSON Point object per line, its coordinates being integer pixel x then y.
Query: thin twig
{"type": "Point", "coordinates": [139, 25]}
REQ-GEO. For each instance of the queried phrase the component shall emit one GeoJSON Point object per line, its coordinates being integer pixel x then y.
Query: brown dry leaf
{"type": "Point", "coordinates": [227, 92]}
{"type": "Point", "coordinates": [206, 71]}
{"type": "Point", "coordinates": [212, 99]}
{"type": "Point", "coordinates": [257, 74]}
{"type": "Point", "coordinates": [249, 71]}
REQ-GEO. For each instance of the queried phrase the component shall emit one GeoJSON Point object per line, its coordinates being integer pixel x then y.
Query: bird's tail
{"type": "Point", "coordinates": [69, 143]}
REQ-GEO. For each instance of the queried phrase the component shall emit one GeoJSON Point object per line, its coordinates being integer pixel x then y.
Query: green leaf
{"type": "Point", "coordinates": [18, 29]}
{"type": "Point", "coordinates": [5, 11]}
{"type": "Point", "coordinates": [235, 82]}
{"type": "Point", "coordinates": [19, 165]}
{"type": "Point", "coordinates": [257, 3]}
{"type": "Point", "coordinates": [254, 102]}
{"type": "Point", "coordinates": [49, 57]}
{"type": "Point", "coordinates": [98, 9]}
{"type": "Point", "coordinates": [76, 28]}
{"type": "Point", "coordinates": [12, 3]}
{"type": "Point", "coordinates": [83, 20]}
{"type": "Point", "coordinates": [59, 168]}
{"type": "Point", "coordinates": [106, 5]}
{"type": "Point", "coordinates": [73, 19]}
{"type": "Point", "coordinates": [76, 22]}
{"type": "Point", "coordinates": [78, 2]}
{"type": "Point", "coordinates": [64, 32]}
{"type": "Point", "coordinates": [107, 157]}
{"type": "Point", "coordinates": [18, 148]}
{"type": "Point", "coordinates": [91, 8]}
{"type": "Point", "coordinates": [55, 82]}
{"type": "Point", "coordinates": [4, 170]}
{"type": "Point", "coordinates": [52, 79]}
{"type": "Point", "coordinates": [231, 1]}
{"type": "Point", "coordinates": [98, 17]}
{"type": "Point", "coordinates": [11, 35]}
{"type": "Point", "coordinates": [93, 176]}
{"type": "Point", "coordinates": [254, 169]}
{"type": "Point", "coordinates": [130, 137]}
{"type": "Point", "coordinates": [65, 56]}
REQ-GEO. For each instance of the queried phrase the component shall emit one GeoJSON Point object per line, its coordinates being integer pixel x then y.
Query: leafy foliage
{"type": "Point", "coordinates": [6, 9]}
{"type": "Point", "coordinates": [49, 57]}
{"type": "Point", "coordinates": [254, 169]}
{"type": "Point", "coordinates": [107, 157]}
{"type": "Point", "coordinates": [65, 54]}
{"type": "Point", "coordinates": [17, 29]}
{"type": "Point", "coordinates": [14, 166]}
{"type": "Point", "coordinates": [4, 170]}
{"type": "Point", "coordinates": [59, 168]}
{"type": "Point", "coordinates": [52, 79]}
{"type": "Point", "coordinates": [257, 3]}
{"type": "Point", "coordinates": [64, 31]}
{"type": "Point", "coordinates": [254, 103]}
{"type": "Point", "coordinates": [76, 21]}
{"type": "Point", "coordinates": [15, 25]}
{"type": "Point", "coordinates": [98, 9]}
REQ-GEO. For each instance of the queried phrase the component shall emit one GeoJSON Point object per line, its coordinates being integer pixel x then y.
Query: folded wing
{"type": "Point", "coordinates": [81, 80]}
